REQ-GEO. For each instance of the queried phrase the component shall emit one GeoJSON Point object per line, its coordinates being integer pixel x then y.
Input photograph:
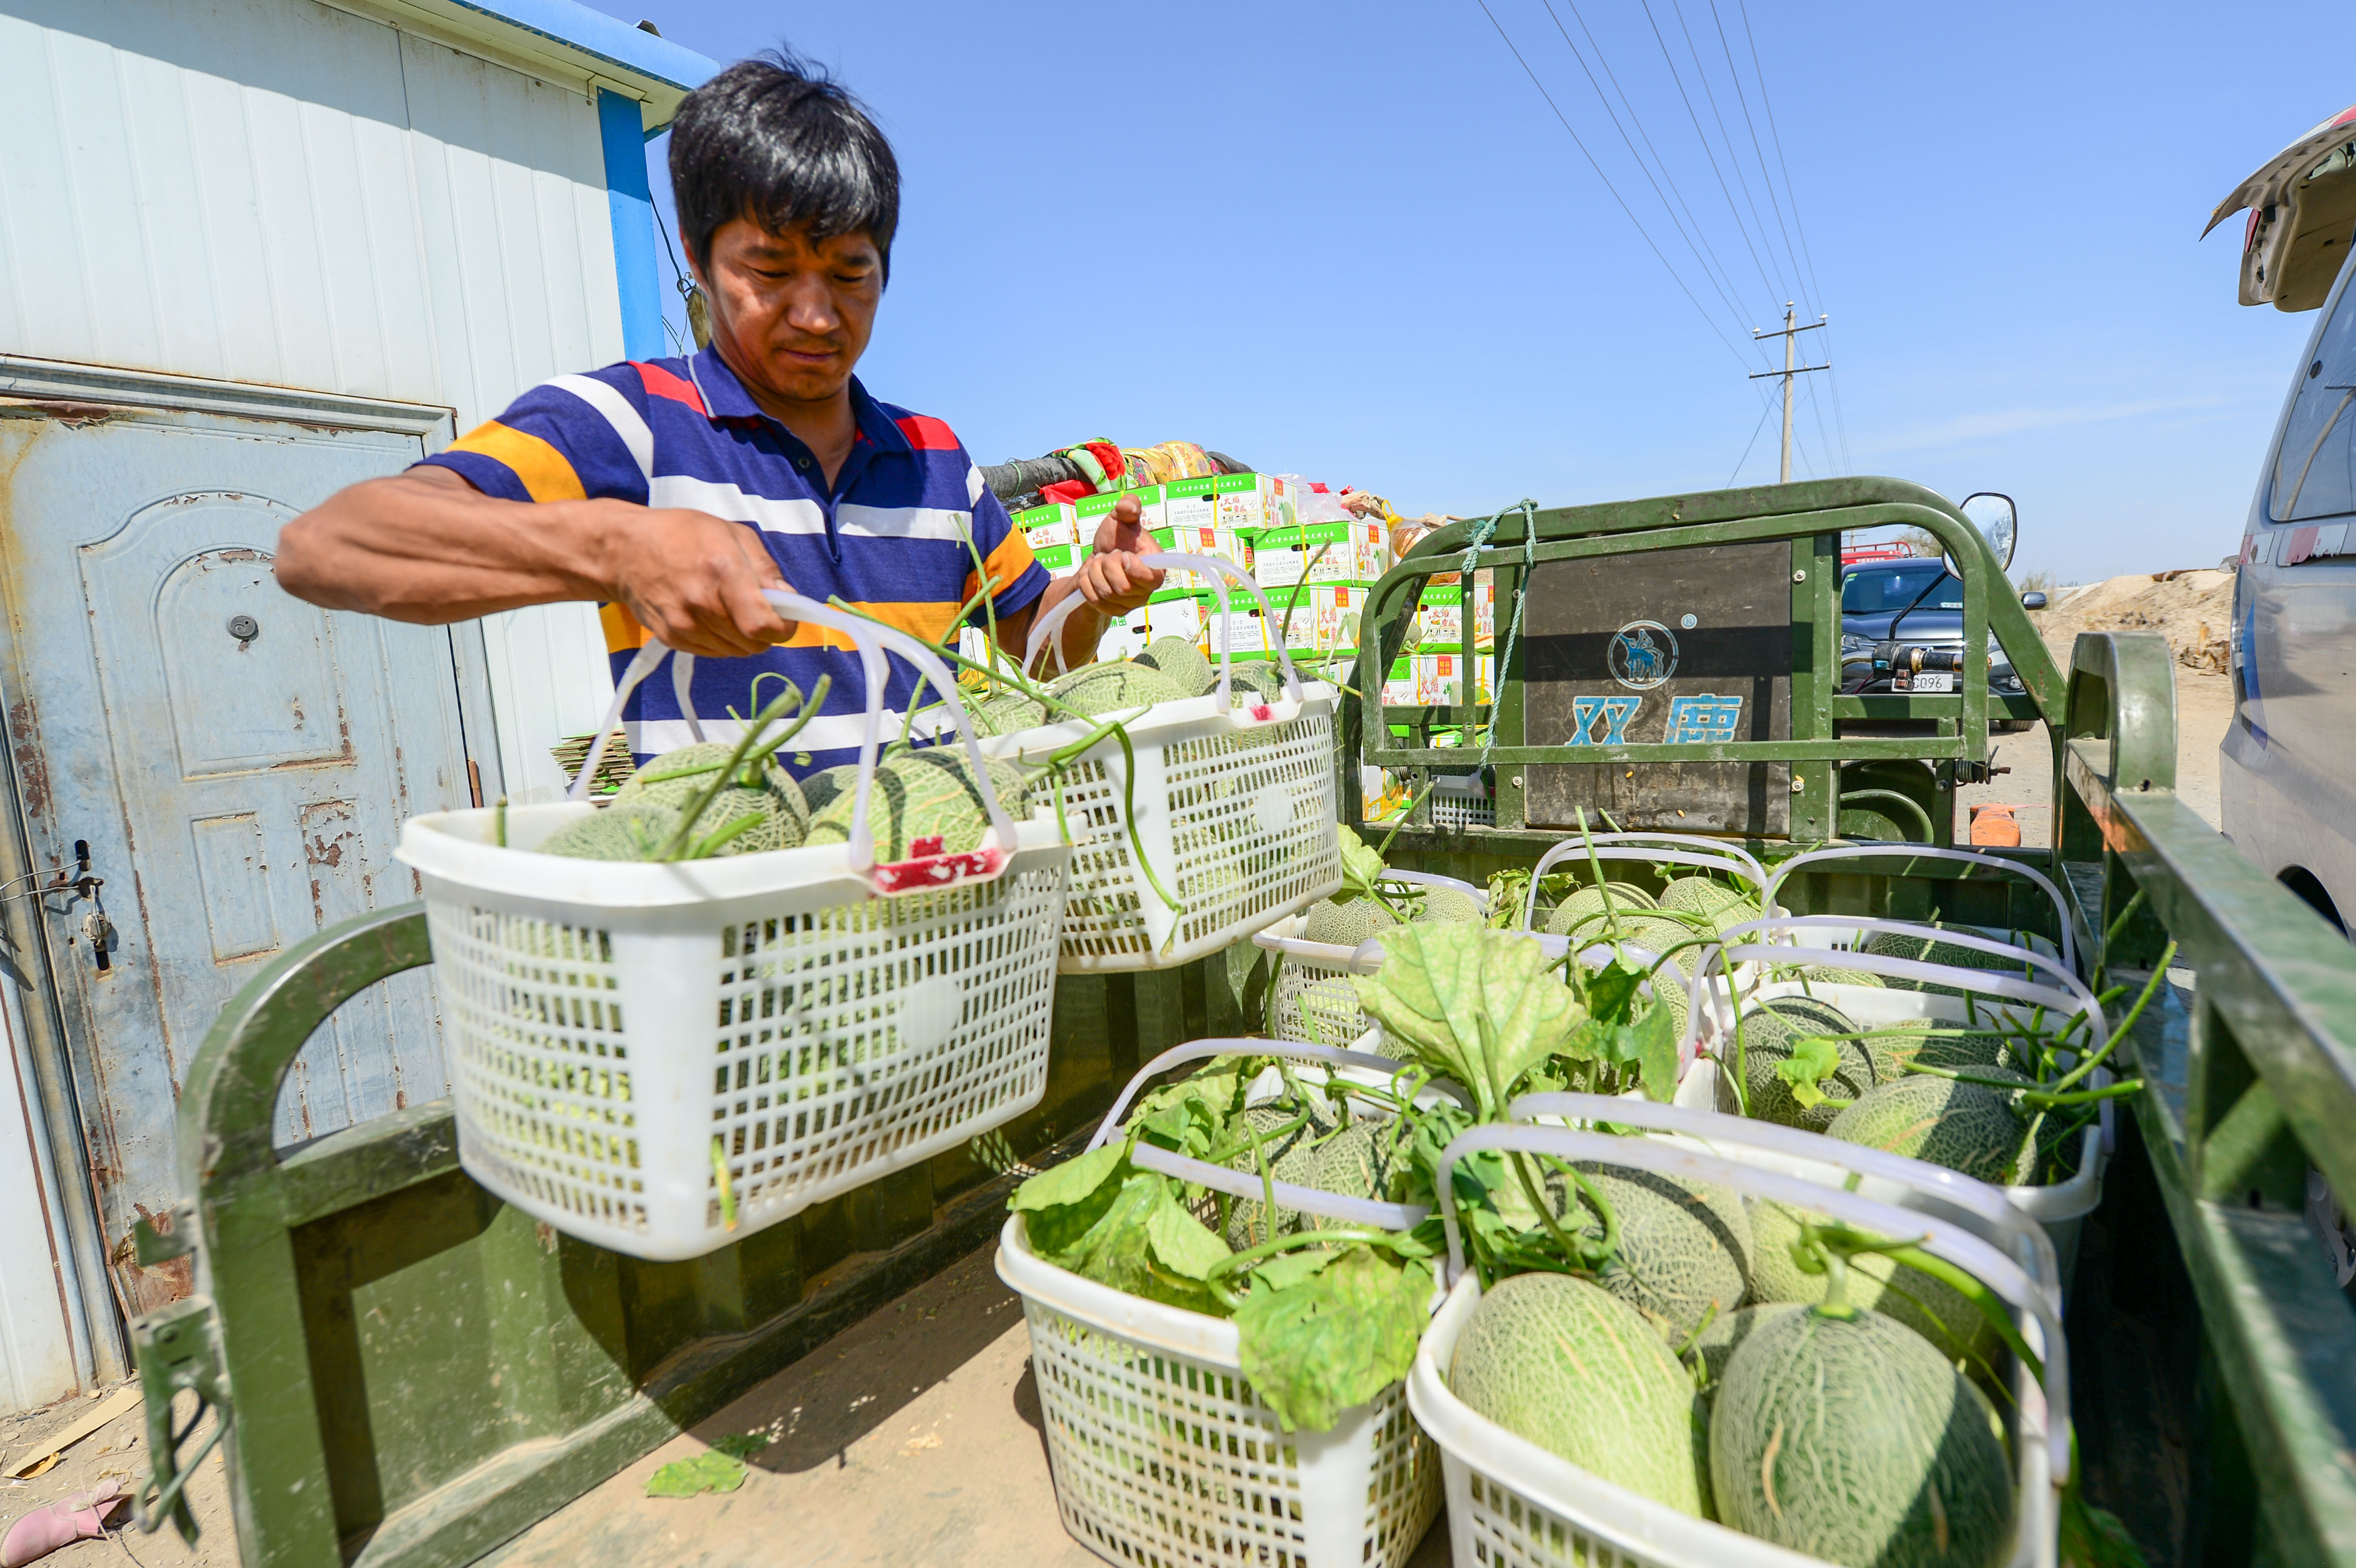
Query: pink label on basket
{"type": "Point", "coordinates": [1263, 712]}
{"type": "Point", "coordinates": [922, 846]}
{"type": "Point", "coordinates": [935, 871]}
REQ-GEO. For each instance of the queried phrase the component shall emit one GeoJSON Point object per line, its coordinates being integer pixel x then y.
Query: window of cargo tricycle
{"type": "Point", "coordinates": [1880, 592]}
{"type": "Point", "coordinates": [2315, 469]}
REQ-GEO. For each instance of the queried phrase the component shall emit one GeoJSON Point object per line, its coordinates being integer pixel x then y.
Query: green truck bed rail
{"type": "Point", "coordinates": [406, 1372]}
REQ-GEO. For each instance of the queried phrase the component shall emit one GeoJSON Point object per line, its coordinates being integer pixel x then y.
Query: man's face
{"type": "Point", "coordinates": [791, 315]}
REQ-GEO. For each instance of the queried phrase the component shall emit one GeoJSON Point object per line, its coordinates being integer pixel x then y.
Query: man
{"type": "Point", "coordinates": [675, 491]}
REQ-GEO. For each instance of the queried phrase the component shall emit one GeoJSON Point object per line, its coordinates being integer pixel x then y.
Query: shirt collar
{"type": "Point", "coordinates": [724, 398]}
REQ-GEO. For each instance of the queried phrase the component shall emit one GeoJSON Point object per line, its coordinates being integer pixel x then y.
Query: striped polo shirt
{"type": "Point", "coordinates": [897, 534]}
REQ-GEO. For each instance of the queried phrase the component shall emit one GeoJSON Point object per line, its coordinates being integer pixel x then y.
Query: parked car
{"type": "Point", "coordinates": [2288, 798]}
{"type": "Point", "coordinates": [1918, 602]}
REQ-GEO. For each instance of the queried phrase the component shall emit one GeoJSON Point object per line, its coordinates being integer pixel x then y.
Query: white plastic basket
{"type": "Point", "coordinates": [2068, 951]}
{"type": "Point", "coordinates": [1313, 998]}
{"type": "Point", "coordinates": [2061, 1207]}
{"type": "Point", "coordinates": [1232, 806]}
{"type": "Point", "coordinates": [1162, 1452]}
{"type": "Point", "coordinates": [807, 1019]}
{"type": "Point", "coordinates": [1512, 1504]}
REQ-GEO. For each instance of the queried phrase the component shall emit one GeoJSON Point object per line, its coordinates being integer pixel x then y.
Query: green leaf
{"type": "Point", "coordinates": [710, 1471]}
{"type": "Point", "coordinates": [1180, 1241]}
{"type": "Point", "coordinates": [1435, 977]}
{"type": "Point", "coordinates": [1118, 1250]}
{"type": "Point", "coordinates": [1656, 1053]}
{"type": "Point", "coordinates": [1065, 1201]}
{"type": "Point", "coordinates": [1335, 1340]}
{"type": "Point", "coordinates": [1362, 867]}
{"type": "Point", "coordinates": [1286, 1270]}
{"type": "Point", "coordinates": [1814, 1059]}
{"type": "Point", "coordinates": [1611, 991]}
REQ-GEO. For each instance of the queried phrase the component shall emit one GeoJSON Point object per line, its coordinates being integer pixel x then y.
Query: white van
{"type": "Point", "coordinates": [2288, 766]}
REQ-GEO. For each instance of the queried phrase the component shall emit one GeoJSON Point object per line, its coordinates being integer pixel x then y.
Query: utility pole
{"type": "Point", "coordinates": [1790, 335]}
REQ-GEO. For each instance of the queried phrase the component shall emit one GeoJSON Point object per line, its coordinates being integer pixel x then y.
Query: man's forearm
{"type": "Point", "coordinates": [414, 549]}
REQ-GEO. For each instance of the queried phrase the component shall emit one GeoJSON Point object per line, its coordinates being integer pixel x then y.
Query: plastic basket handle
{"type": "Point", "coordinates": [1751, 870]}
{"type": "Point", "coordinates": [1218, 569]}
{"type": "Point", "coordinates": [1240, 1184]}
{"type": "Point", "coordinates": [1430, 880]}
{"type": "Point", "coordinates": [682, 674]}
{"type": "Point", "coordinates": [1952, 1187]}
{"type": "Point", "coordinates": [1926, 852]}
{"type": "Point", "coordinates": [872, 641]}
{"type": "Point", "coordinates": [2071, 998]}
{"type": "Point", "coordinates": [1939, 1238]}
{"type": "Point", "coordinates": [1615, 846]}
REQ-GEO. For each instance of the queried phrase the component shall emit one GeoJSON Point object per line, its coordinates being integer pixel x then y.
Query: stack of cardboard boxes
{"type": "Point", "coordinates": [1315, 566]}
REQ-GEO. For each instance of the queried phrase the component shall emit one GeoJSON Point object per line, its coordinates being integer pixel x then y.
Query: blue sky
{"type": "Point", "coordinates": [1354, 243]}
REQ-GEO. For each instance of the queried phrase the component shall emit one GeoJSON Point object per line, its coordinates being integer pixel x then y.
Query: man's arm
{"type": "Point", "coordinates": [1114, 579]}
{"type": "Point", "coordinates": [427, 546]}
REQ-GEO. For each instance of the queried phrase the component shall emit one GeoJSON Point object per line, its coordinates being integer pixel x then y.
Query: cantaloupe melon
{"type": "Point", "coordinates": [928, 792]}
{"type": "Point", "coordinates": [1969, 1052]}
{"type": "Point", "coordinates": [1929, 950]}
{"type": "Point", "coordinates": [630, 832]}
{"type": "Point", "coordinates": [1347, 924]}
{"type": "Point", "coordinates": [1722, 906]}
{"type": "Point", "coordinates": [1930, 1306]}
{"type": "Point", "coordinates": [1719, 1338]}
{"type": "Point", "coordinates": [1833, 975]}
{"type": "Point", "coordinates": [1684, 1248]}
{"type": "Point", "coordinates": [1769, 1039]}
{"type": "Point", "coordinates": [1584, 907]}
{"type": "Point", "coordinates": [1447, 906]}
{"type": "Point", "coordinates": [1182, 662]}
{"type": "Point", "coordinates": [1352, 1161]}
{"type": "Point", "coordinates": [1117, 687]}
{"type": "Point", "coordinates": [677, 778]}
{"type": "Point", "coordinates": [1006, 713]}
{"type": "Point", "coordinates": [1571, 1368]}
{"type": "Point", "coordinates": [1963, 1126]}
{"type": "Point", "coordinates": [1853, 1441]}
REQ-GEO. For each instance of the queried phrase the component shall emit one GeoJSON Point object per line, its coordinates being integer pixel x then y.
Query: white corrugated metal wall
{"type": "Point", "coordinates": [295, 194]}
{"type": "Point", "coordinates": [279, 191]}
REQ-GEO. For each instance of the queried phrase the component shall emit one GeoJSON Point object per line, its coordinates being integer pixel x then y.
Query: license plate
{"type": "Point", "coordinates": [1943, 680]}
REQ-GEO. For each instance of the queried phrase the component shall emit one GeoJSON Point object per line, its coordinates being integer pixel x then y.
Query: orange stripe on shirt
{"type": "Point", "coordinates": [623, 632]}
{"type": "Point", "coordinates": [545, 473]}
{"type": "Point", "coordinates": [928, 623]}
{"type": "Point", "coordinates": [1007, 563]}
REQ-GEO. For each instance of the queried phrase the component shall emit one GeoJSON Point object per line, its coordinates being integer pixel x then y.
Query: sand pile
{"type": "Point", "coordinates": [2193, 609]}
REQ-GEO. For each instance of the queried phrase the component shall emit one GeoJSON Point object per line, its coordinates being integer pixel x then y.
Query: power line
{"type": "Point", "coordinates": [1744, 99]}
{"type": "Point", "coordinates": [1691, 244]}
{"type": "Point", "coordinates": [1725, 135]}
{"type": "Point", "coordinates": [1616, 196]}
{"type": "Point", "coordinates": [1766, 407]}
{"type": "Point", "coordinates": [1776, 135]}
{"type": "Point", "coordinates": [1703, 138]}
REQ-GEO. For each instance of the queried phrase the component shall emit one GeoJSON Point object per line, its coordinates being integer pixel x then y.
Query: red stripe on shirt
{"type": "Point", "coordinates": [926, 433]}
{"type": "Point", "coordinates": [661, 383]}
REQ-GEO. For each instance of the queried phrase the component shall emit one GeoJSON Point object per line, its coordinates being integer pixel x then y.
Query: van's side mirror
{"type": "Point", "coordinates": [2032, 600]}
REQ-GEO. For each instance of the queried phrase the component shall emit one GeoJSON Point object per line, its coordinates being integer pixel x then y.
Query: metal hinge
{"type": "Point", "coordinates": [178, 1350]}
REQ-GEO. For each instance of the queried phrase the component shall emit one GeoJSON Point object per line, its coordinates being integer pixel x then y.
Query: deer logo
{"type": "Point", "coordinates": [1642, 655]}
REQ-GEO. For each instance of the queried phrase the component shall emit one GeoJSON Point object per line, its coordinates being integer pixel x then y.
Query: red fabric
{"type": "Point", "coordinates": [661, 383]}
{"type": "Point", "coordinates": [1115, 465]}
{"type": "Point", "coordinates": [1066, 490]}
{"type": "Point", "coordinates": [926, 433]}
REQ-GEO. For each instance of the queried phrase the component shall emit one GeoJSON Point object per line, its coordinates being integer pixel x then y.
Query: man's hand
{"type": "Point", "coordinates": [694, 581]}
{"type": "Point", "coordinates": [427, 547]}
{"type": "Point", "coordinates": [1115, 579]}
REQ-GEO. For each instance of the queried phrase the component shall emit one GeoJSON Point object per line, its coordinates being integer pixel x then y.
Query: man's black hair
{"type": "Point", "coordinates": [776, 140]}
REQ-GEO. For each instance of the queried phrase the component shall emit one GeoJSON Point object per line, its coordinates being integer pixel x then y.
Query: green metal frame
{"type": "Point", "coordinates": [1813, 517]}
{"type": "Point", "coordinates": [408, 1372]}
{"type": "Point", "coordinates": [2251, 1082]}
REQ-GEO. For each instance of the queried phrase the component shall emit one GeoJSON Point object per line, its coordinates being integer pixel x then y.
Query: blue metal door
{"type": "Point", "coordinates": [233, 763]}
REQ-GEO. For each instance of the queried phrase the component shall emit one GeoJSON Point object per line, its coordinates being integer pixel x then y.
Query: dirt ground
{"type": "Point", "coordinates": [115, 1451]}
{"type": "Point", "coordinates": [911, 1440]}
{"type": "Point", "coordinates": [2193, 609]}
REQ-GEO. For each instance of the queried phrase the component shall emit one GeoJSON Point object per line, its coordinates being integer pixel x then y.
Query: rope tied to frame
{"type": "Point", "coordinates": [1481, 531]}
